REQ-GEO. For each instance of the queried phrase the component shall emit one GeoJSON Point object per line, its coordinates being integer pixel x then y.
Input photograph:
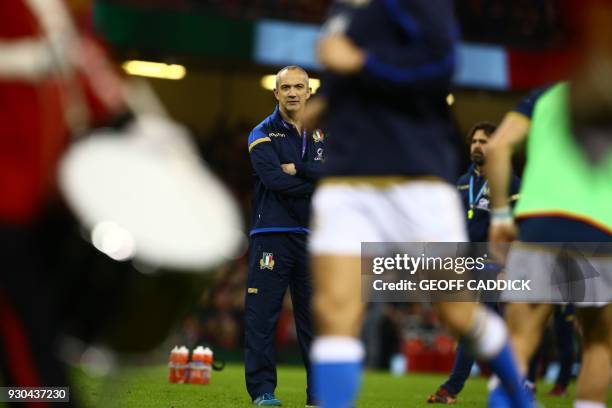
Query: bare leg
{"type": "Point", "coordinates": [594, 378]}
{"type": "Point", "coordinates": [337, 300]}
{"type": "Point", "coordinates": [525, 324]}
{"type": "Point", "coordinates": [337, 353]}
{"type": "Point", "coordinates": [458, 316]}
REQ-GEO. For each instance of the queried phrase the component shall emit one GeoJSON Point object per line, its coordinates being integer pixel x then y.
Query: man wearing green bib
{"type": "Point", "coordinates": [565, 199]}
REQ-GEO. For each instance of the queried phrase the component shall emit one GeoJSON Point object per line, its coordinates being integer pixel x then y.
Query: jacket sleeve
{"type": "Point", "coordinates": [312, 169]}
{"type": "Point", "coordinates": [309, 171]}
{"type": "Point", "coordinates": [527, 105]}
{"type": "Point", "coordinates": [461, 181]}
{"type": "Point", "coordinates": [267, 165]}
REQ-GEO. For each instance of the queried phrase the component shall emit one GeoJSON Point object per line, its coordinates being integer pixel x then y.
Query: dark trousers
{"type": "Point", "coordinates": [463, 363]}
{"type": "Point", "coordinates": [564, 339]}
{"type": "Point", "coordinates": [461, 369]}
{"type": "Point", "coordinates": [29, 313]}
{"type": "Point", "coordinates": [276, 261]}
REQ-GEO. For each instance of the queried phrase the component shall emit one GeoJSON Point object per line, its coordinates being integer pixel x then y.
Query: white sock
{"type": "Point", "coordinates": [336, 349]}
{"type": "Point", "coordinates": [493, 382]}
{"type": "Point", "coordinates": [588, 404]}
{"type": "Point", "coordinates": [488, 334]}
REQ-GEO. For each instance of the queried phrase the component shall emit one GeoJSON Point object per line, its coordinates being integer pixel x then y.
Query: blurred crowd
{"type": "Point", "coordinates": [298, 10]}
{"type": "Point", "coordinates": [521, 23]}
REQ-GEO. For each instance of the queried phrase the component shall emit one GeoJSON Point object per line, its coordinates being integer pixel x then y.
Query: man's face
{"type": "Point", "coordinates": [292, 90]}
{"type": "Point", "coordinates": [478, 148]}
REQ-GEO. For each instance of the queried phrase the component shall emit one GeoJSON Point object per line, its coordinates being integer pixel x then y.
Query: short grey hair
{"type": "Point", "coordinates": [291, 68]}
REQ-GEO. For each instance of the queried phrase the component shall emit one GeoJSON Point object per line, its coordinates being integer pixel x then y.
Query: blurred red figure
{"type": "Point", "coordinates": [54, 83]}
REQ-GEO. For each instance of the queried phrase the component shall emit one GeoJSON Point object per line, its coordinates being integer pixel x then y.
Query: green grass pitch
{"type": "Point", "coordinates": [148, 387]}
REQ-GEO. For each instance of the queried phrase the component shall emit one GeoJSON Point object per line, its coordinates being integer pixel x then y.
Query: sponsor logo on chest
{"type": "Point", "coordinates": [276, 135]}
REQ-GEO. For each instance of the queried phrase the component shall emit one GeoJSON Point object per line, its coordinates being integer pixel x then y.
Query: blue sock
{"type": "Point", "coordinates": [336, 370]}
{"type": "Point", "coordinates": [504, 366]}
{"type": "Point", "coordinates": [336, 383]}
{"type": "Point", "coordinates": [489, 339]}
{"type": "Point", "coordinates": [499, 398]}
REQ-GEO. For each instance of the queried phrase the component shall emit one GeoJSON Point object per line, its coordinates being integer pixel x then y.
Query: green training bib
{"type": "Point", "coordinates": [558, 179]}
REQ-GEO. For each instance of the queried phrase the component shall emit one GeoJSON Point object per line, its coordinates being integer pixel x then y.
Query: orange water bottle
{"type": "Point", "coordinates": [182, 369]}
{"type": "Point", "coordinates": [196, 368]}
{"type": "Point", "coordinates": [208, 362]}
{"type": "Point", "coordinates": [172, 365]}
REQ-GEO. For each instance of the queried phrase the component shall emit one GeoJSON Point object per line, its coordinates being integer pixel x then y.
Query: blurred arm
{"type": "Point", "coordinates": [425, 60]}
{"type": "Point", "coordinates": [511, 132]}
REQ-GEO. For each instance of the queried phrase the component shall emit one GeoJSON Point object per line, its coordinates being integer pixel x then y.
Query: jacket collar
{"type": "Point", "coordinates": [278, 119]}
{"type": "Point", "coordinates": [474, 171]}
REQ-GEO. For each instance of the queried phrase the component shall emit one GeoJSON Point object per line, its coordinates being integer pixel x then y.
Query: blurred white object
{"type": "Point", "coordinates": [475, 371]}
{"type": "Point", "coordinates": [398, 365]}
{"type": "Point", "coordinates": [552, 372]}
{"type": "Point", "coordinates": [98, 361]}
{"type": "Point", "coordinates": [156, 201]}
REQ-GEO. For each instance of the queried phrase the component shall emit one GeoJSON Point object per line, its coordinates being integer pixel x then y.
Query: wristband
{"type": "Point", "coordinates": [502, 215]}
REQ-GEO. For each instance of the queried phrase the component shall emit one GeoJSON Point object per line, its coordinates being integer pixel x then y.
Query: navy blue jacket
{"type": "Point", "coordinates": [281, 203]}
{"type": "Point", "coordinates": [478, 225]}
{"type": "Point", "coordinates": [392, 118]}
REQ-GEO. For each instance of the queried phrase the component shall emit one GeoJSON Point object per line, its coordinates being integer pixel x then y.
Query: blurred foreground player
{"type": "Point", "coordinates": [389, 176]}
{"type": "Point", "coordinates": [287, 160]}
{"type": "Point", "coordinates": [565, 198]}
{"type": "Point", "coordinates": [53, 83]}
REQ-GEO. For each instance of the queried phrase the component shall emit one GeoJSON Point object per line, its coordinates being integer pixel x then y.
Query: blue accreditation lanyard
{"type": "Point", "coordinates": [473, 201]}
{"type": "Point", "coordinates": [304, 142]}
{"type": "Point", "coordinates": [304, 138]}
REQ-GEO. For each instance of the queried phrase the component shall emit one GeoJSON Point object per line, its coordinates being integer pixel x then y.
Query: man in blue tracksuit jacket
{"type": "Point", "coordinates": [287, 160]}
{"type": "Point", "coordinates": [473, 186]}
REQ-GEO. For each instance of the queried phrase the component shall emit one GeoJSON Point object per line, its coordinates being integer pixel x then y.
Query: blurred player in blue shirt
{"type": "Point", "coordinates": [389, 178]}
